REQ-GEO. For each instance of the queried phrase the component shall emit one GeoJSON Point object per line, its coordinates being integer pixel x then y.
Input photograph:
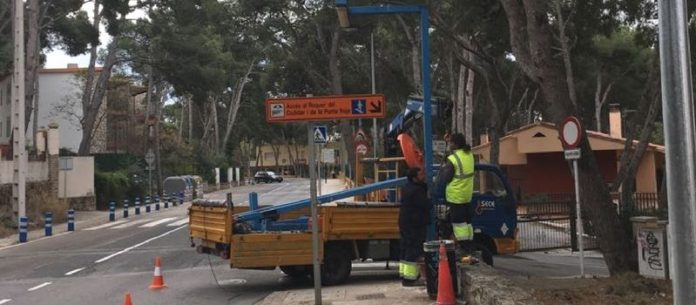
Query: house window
{"type": "Point", "coordinates": [539, 135]}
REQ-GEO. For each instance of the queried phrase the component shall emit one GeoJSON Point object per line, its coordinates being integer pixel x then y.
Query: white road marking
{"type": "Point", "coordinates": [106, 258]}
{"type": "Point", "coordinates": [178, 223]}
{"type": "Point", "coordinates": [3, 301]}
{"type": "Point", "coordinates": [232, 282]}
{"type": "Point", "coordinates": [74, 271]}
{"type": "Point", "coordinates": [106, 225]}
{"type": "Point", "coordinates": [39, 286]}
{"type": "Point", "coordinates": [130, 224]}
{"type": "Point", "coordinates": [157, 222]}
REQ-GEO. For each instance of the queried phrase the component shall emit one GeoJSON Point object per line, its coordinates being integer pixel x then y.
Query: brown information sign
{"type": "Point", "coordinates": [325, 108]}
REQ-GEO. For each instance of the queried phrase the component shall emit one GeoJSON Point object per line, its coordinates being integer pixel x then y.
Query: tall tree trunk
{"type": "Point", "coordinates": [32, 62]}
{"type": "Point", "coordinates": [601, 99]}
{"type": "Point", "coordinates": [453, 89]}
{"type": "Point", "coordinates": [469, 106]}
{"type": "Point", "coordinates": [190, 120]}
{"type": "Point", "coordinates": [95, 102]}
{"type": "Point", "coordinates": [91, 74]}
{"type": "Point", "coordinates": [565, 50]}
{"type": "Point", "coordinates": [415, 53]}
{"type": "Point", "coordinates": [531, 41]}
{"type": "Point", "coordinates": [235, 102]}
{"type": "Point", "coordinates": [216, 127]}
{"type": "Point", "coordinates": [158, 155]}
{"type": "Point", "coordinates": [461, 96]}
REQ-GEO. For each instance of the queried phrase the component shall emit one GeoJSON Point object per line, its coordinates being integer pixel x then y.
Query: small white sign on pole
{"type": "Point", "coordinates": [328, 155]}
{"type": "Point", "coordinates": [572, 154]}
{"type": "Point", "coordinates": [439, 146]}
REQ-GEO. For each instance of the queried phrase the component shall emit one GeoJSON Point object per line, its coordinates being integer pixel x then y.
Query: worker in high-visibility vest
{"type": "Point", "coordinates": [414, 217]}
{"type": "Point", "coordinates": [457, 173]}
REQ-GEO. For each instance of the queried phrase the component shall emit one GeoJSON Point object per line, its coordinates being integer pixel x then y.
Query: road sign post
{"type": "Point", "coordinates": [321, 108]}
{"type": "Point", "coordinates": [316, 263]}
{"type": "Point", "coordinates": [150, 159]}
{"type": "Point", "coordinates": [571, 135]}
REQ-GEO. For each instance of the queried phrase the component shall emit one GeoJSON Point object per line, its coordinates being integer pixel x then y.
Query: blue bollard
{"type": "Point", "coordinates": [173, 198]}
{"type": "Point", "coordinates": [23, 229]}
{"type": "Point", "coordinates": [71, 220]}
{"type": "Point", "coordinates": [112, 211]}
{"type": "Point", "coordinates": [48, 223]}
{"type": "Point", "coordinates": [181, 198]}
{"type": "Point", "coordinates": [166, 201]}
{"type": "Point", "coordinates": [147, 204]}
{"type": "Point", "coordinates": [137, 205]}
{"type": "Point", "coordinates": [157, 203]}
{"type": "Point", "coordinates": [253, 201]}
{"type": "Point", "coordinates": [125, 208]}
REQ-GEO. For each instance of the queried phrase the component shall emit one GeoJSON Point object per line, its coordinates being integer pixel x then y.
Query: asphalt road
{"type": "Point", "coordinates": [98, 265]}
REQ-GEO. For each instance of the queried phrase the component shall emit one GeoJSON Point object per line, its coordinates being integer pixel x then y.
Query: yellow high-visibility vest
{"type": "Point", "coordinates": [461, 188]}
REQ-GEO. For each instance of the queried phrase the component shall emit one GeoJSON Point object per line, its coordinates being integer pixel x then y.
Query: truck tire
{"type": "Point", "coordinates": [296, 272]}
{"type": "Point", "coordinates": [337, 265]}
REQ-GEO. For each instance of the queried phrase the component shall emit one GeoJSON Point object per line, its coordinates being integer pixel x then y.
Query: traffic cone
{"type": "Point", "coordinates": [128, 299]}
{"type": "Point", "coordinates": [445, 291]}
{"type": "Point", "coordinates": [158, 279]}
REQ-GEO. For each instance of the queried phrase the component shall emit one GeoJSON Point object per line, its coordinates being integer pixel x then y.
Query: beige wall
{"type": "Point", "coordinates": [267, 158]}
{"type": "Point", "coordinates": [646, 180]}
{"type": "Point", "coordinates": [80, 180]}
{"type": "Point", "coordinates": [36, 171]}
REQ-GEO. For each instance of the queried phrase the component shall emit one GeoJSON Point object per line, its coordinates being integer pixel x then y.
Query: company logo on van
{"type": "Point", "coordinates": [485, 205]}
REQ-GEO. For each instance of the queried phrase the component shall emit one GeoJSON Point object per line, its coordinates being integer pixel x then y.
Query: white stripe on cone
{"type": "Point", "coordinates": [158, 272]}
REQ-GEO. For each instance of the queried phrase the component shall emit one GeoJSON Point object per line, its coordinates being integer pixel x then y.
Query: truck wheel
{"type": "Point", "coordinates": [337, 265]}
{"type": "Point", "coordinates": [296, 272]}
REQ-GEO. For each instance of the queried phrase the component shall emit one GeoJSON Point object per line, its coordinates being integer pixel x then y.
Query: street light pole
{"type": "Point", "coordinates": [374, 90]}
{"type": "Point", "coordinates": [678, 118]}
{"type": "Point", "coordinates": [18, 121]}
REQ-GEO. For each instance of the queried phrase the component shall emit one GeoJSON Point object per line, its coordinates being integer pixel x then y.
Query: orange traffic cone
{"type": "Point", "coordinates": [158, 279]}
{"type": "Point", "coordinates": [128, 299]}
{"type": "Point", "coordinates": [445, 291]}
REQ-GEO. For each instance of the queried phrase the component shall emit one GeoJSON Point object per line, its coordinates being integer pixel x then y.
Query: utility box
{"type": "Point", "coordinates": [651, 238]}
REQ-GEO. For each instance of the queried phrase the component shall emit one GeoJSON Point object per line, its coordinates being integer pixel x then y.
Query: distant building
{"type": "Point", "coordinates": [60, 93]}
{"type": "Point", "coordinates": [533, 159]}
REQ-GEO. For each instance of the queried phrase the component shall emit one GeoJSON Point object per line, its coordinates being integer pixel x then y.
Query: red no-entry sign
{"type": "Point", "coordinates": [571, 132]}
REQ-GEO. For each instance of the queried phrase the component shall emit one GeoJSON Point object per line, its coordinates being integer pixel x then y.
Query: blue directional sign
{"type": "Point", "coordinates": [359, 106]}
{"type": "Point", "coordinates": [320, 135]}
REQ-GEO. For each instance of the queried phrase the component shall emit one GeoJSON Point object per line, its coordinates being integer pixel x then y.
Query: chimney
{"type": "Point", "coordinates": [72, 66]}
{"type": "Point", "coordinates": [615, 129]}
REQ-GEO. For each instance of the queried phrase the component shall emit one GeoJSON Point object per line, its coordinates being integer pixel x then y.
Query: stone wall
{"type": "Point", "coordinates": [484, 285]}
{"type": "Point", "coordinates": [88, 203]}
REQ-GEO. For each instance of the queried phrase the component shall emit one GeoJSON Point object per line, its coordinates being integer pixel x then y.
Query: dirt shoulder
{"type": "Point", "coordinates": [623, 289]}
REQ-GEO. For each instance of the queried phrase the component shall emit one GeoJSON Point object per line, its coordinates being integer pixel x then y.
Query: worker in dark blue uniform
{"type": "Point", "coordinates": [414, 217]}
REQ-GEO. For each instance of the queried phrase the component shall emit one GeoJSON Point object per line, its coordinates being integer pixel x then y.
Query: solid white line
{"type": "Point", "coordinates": [106, 258]}
{"type": "Point", "coordinates": [74, 271]}
{"type": "Point", "coordinates": [178, 223]}
{"type": "Point", "coordinates": [157, 222]}
{"type": "Point", "coordinates": [39, 286]}
{"type": "Point", "coordinates": [106, 225]}
{"type": "Point", "coordinates": [130, 224]}
{"type": "Point", "coordinates": [3, 301]}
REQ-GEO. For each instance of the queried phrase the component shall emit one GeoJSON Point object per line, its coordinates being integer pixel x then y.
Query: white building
{"type": "Point", "coordinates": [60, 92]}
